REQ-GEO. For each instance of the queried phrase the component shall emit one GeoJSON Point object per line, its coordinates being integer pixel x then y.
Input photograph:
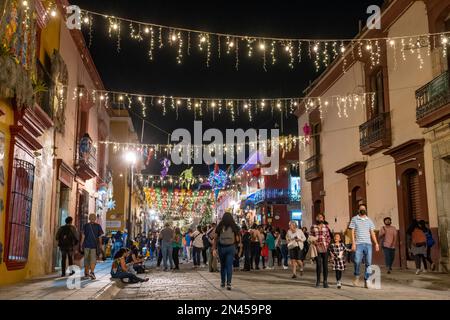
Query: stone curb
{"type": "Point", "coordinates": [108, 292]}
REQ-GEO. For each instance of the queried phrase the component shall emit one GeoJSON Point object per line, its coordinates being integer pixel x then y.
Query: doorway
{"type": "Point", "coordinates": [412, 203]}
{"type": "Point", "coordinates": [63, 213]}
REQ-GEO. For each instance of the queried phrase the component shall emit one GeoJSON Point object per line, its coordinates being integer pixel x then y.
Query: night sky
{"type": "Point", "coordinates": [132, 71]}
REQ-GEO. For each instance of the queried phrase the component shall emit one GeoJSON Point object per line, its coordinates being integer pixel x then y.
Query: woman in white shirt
{"type": "Point", "coordinates": [197, 244]}
{"type": "Point", "coordinates": [295, 239]}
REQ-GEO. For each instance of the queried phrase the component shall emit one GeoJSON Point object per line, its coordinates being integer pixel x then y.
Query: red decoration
{"type": "Point", "coordinates": [307, 132]}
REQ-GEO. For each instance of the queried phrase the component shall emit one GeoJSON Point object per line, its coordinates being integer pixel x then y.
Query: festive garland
{"type": "Point", "coordinates": [322, 52]}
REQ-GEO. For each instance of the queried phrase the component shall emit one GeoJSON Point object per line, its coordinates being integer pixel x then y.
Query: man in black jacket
{"type": "Point", "coordinates": [67, 238]}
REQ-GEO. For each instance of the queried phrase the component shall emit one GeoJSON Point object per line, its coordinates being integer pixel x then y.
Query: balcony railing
{"type": "Point", "coordinates": [87, 159]}
{"type": "Point", "coordinates": [375, 134]}
{"type": "Point", "coordinates": [433, 101]}
{"type": "Point", "coordinates": [313, 169]}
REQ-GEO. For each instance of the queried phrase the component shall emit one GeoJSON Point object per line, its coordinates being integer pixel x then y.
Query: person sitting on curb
{"type": "Point", "coordinates": [119, 269]}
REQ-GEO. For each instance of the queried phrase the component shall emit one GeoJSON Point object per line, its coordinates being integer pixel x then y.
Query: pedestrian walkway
{"type": "Point", "coordinates": [54, 287]}
{"type": "Point", "coordinates": [199, 284]}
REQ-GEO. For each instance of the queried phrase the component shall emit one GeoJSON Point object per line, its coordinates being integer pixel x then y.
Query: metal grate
{"type": "Point", "coordinates": [433, 95]}
{"type": "Point", "coordinates": [373, 130]}
{"type": "Point", "coordinates": [21, 204]}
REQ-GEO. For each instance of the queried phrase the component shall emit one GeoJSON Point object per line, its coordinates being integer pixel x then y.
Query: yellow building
{"type": "Point", "coordinates": [26, 138]}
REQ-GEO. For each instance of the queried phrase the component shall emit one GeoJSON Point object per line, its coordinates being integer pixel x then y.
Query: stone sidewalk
{"type": "Point", "coordinates": [54, 287]}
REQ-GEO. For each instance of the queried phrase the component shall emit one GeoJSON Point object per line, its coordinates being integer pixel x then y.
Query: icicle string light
{"type": "Point", "coordinates": [320, 51]}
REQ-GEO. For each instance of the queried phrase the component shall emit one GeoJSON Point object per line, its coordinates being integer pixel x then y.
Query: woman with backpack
{"type": "Point", "coordinates": [224, 246]}
{"type": "Point", "coordinates": [418, 246]}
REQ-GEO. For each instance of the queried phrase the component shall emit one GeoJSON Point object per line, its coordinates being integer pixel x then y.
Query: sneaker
{"type": "Point", "coordinates": [424, 271]}
{"type": "Point", "coordinates": [285, 267]}
{"type": "Point", "coordinates": [301, 272]}
{"type": "Point", "coordinates": [317, 284]}
{"type": "Point", "coordinates": [92, 276]}
{"type": "Point", "coordinates": [356, 282]}
{"type": "Point", "coordinates": [366, 284]}
{"type": "Point", "coordinates": [417, 271]}
{"type": "Point", "coordinates": [228, 286]}
{"type": "Point", "coordinates": [222, 285]}
{"type": "Point", "coordinates": [325, 284]}
{"type": "Point", "coordinates": [389, 272]}
{"type": "Point", "coordinates": [339, 285]}
{"type": "Point", "coordinates": [294, 276]}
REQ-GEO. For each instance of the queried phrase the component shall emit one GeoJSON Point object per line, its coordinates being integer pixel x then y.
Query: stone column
{"type": "Point", "coordinates": [441, 164]}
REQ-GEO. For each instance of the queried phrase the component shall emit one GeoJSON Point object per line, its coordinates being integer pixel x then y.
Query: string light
{"type": "Point", "coordinates": [321, 47]}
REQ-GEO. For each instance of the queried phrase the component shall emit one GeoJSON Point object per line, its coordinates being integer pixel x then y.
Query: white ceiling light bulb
{"type": "Point", "coordinates": [53, 13]}
{"type": "Point", "coordinates": [342, 49]}
{"type": "Point", "coordinates": [178, 102]}
{"type": "Point", "coordinates": [203, 39]}
{"type": "Point", "coordinates": [174, 37]}
{"type": "Point", "coordinates": [262, 46]}
{"type": "Point", "coordinates": [316, 48]}
{"type": "Point", "coordinates": [146, 30]}
{"type": "Point", "coordinates": [231, 44]}
{"type": "Point", "coordinates": [159, 101]}
{"type": "Point", "coordinates": [86, 20]}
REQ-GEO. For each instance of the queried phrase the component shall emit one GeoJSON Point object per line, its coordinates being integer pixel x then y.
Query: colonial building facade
{"type": "Point", "coordinates": [45, 176]}
{"type": "Point", "coordinates": [392, 151]}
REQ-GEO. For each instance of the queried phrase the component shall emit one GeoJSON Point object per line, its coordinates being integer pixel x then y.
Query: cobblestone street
{"type": "Point", "coordinates": [277, 284]}
{"type": "Point", "coordinates": [200, 284]}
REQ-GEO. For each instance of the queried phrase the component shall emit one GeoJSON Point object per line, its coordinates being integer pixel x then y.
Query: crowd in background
{"type": "Point", "coordinates": [254, 247]}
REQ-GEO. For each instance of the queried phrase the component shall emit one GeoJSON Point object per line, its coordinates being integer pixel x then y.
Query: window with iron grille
{"type": "Point", "coordinates": [20, 211]}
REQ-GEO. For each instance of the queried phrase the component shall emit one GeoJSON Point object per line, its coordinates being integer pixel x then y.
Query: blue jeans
{"type": "Point", "coordinates": [363, 250]}
{"type": "Point", "coordinates": [196, 255]}
{"type": "Point", "coordinates": [226, 256]}
{"type": "Point", "coordinates": [125, 275]}
{"type": "Point", "coordinates": [389, 255]}
{"type": "Point", "coordinates": [167, 249]}
{"type": "Point", "coordinates": [284, 254]}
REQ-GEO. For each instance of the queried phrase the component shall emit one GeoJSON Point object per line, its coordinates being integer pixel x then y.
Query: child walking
{"type": "Point", "coordinates": [337, 251]}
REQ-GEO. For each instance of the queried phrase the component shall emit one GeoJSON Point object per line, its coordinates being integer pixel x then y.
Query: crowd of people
{"type": "Point", "coordinates": [246, 248]}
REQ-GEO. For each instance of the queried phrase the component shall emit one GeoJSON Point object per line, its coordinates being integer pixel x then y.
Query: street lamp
{"type": "Point", "coordinates": [130, 158]}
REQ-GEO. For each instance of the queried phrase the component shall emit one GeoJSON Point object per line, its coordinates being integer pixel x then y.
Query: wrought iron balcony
{"type": "Point", "coordinates": [87, 159]}
{"type": "Point", "coordinates": [313, 169]}
{"type": "Point", "coordinates": [375, 134]}
{"type": "Point", "coordinates": [433, 101]}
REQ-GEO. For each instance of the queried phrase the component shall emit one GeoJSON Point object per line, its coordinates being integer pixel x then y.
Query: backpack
{"type": "Point", "coordinates": [227, 237]}
{"type": "Point", "coordinates": [418, 236]}
{"type": "Point", "coordinates": [206, 243]}
{"type": "Point", "coordinates": [67, 239]}
{"type": "Point", "coordinates": [430, 240]}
